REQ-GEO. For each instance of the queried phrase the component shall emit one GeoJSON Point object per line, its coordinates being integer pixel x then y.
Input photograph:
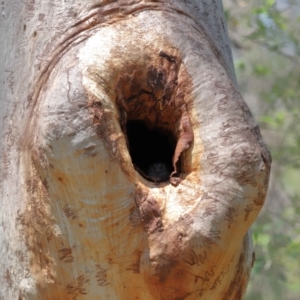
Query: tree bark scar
{"type": "Point", "coordinates": [149, 212]}
{"type": "Point", "coordinates": [170, 58]}
{"type": "Point", "coordinates": [186, 137]}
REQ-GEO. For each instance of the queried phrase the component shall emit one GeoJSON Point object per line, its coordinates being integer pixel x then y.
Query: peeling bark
{"type": "Point", "coordinates": [96, 96]}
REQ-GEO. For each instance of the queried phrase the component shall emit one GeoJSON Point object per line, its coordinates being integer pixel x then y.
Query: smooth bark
{"type": "Point", "coordinates": [79, 219]}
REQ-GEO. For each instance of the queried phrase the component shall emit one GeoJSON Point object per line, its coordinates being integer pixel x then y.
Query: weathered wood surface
{"type": "Point", "coordinates": [77, 221]}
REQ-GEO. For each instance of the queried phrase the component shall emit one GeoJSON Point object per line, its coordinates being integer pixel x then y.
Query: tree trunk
{"type": "Point", "coordinates": [131, 168]}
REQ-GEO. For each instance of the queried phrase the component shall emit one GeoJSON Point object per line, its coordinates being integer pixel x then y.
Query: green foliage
{"type": "Point", "coordinates": [266, 42]}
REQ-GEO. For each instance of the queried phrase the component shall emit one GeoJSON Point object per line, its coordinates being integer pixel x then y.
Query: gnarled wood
{"type": "Point", "coordinates": [81, 216]}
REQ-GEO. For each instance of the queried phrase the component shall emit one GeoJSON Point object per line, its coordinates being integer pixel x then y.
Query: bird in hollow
{"type": "Point", "coordinates": [158, 172]}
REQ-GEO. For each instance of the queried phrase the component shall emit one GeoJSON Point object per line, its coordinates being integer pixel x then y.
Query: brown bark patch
{"type": "Point", "coordinates": [155, 97]}
{"type": "Point", "coordinates": [149, 212]}
{"type": "Point", "coordinates": [37, 228]}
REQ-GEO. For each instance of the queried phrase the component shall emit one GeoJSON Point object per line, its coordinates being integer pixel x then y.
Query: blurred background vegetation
{"type": "Point", "coordinates": [265, 39]}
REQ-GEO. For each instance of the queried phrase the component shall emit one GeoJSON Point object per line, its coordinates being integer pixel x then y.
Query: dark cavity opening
{"type": "Point", "coordinates": [151, 151]}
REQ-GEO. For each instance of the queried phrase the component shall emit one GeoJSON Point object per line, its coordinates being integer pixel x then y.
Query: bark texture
{"type": "Point", "coordinates": [81, 217]}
